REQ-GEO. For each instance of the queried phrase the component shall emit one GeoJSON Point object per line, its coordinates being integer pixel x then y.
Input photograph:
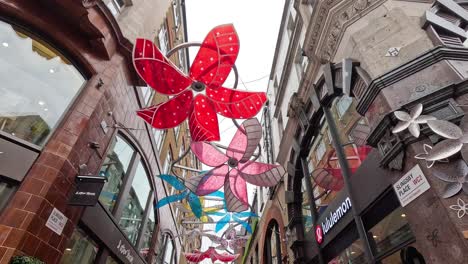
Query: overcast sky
{"type": "Point", "coordinates": [257, 24]}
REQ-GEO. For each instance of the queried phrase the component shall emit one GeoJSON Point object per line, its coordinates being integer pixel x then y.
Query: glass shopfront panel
{"type": "Point", "coordinates": [7, 189]}
{"type": "Point", "coordinates": [114, 169]}
{"type": "Point", "coordinates": [134, 206]}
{"type": "Point", "coordinates": [38, 85]}
{"type": "Point", "coordinates": [354, 254]}
{"type": "Point", "coordinates": [148, 232]}
{"type": "Point", "coordinates": [80, 249]}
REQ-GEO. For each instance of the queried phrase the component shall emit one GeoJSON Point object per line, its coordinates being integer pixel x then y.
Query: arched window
{"type": "Point", "coordinates": [167, 251]}
{"type": "Point", "coordinates": [38, 85]}
{"type": "Point", "coordinates": [272, 248]}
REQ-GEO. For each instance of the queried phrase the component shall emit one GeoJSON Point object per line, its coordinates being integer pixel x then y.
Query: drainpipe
{"type": "Point", "coordinates": [346, 177]}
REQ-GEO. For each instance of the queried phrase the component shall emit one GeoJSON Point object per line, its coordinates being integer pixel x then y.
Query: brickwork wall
{"type": "Point", "coordinates": [50, 180]}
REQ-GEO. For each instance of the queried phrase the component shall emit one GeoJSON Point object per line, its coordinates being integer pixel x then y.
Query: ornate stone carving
{"type": "Point", "coordinates": [346, 14]}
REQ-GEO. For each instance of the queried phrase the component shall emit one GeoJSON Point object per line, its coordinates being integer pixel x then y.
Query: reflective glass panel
{"type": "Point", "coordinates": [6, 191]}
{"type": "Point", "coordinates": [391, 232]}
{"type": "Point", "coordinates": [114, 169]}
{"type": "Point", "coordinates": [38, 85]}
{"type": "Point", "coordinates": [354, 254]}
{"type": "Point", "coordinates": [135, 204]}
{"type": "Point", "coordinates": [80, 249]}
{"type": "Point", "coordinates": [148, 232]}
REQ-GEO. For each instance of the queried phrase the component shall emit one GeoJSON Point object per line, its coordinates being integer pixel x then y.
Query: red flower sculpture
{"type": "Point", "coordinates": [207, 97]}
{"type": "Point", "coordinates": [212, 254]}
{"type": "Point", "coordinates": [234, 168]}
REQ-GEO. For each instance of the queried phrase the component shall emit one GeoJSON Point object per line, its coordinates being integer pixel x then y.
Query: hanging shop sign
{"type": "Point", "coordinates": [332, 219]}
{"type": "Point", "coordinates": [56, 221]}
{"type": "Point", "coordinates": [411, 186]}
{"type": "Point", "coordinates": [87, 190]}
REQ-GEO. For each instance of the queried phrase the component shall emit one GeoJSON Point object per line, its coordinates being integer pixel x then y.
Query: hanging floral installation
{"type": "Point", "coordinates": [212, 254]}
{"type": "Point", "coordinates": [184, 193]}
{"type": "Point", "coordinates": [199, 96]}
{"type": "Point", "coordinates": [461, 207]}
{"type": "Point", "coordinates": [233, 169]}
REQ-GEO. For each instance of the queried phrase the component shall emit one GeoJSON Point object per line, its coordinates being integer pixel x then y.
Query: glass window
{"type": "Point", "coordinates": [167, 253]}
{"type": "Point", "coordinates": [163, 39]}
{"type": "Point", "coordinates": [354, 254]}
{"type": "Point", "coordinates": [181, 55]}
{"type": "Point", "coordinates": [6, 191]}
{"type": "Point", "coordinates": [159, 136]}
{"type": "Point", "coordinates": [167, 163]}
{"type": "Point", "coordinates": [175, 12]}
{"type": "Point", "coordinates": [38, 85]}
{"type": "Point", "coordinates": [343, 104]}
{"type": "Point", "coordinates": [80, 249]}
{"type": "Point", "coordinates": [391, 232]}
{"type": "Point", "coordinates": [147, 93]}
{"type": "Point", "coordinates": [111, 260]}
{"type": "Point", "coordinates": [320, 151]}
{"type": "Point", "coordinates": [135, 204]}
{"type": "Point", "coordinates": [148, 233]}
{"type": "Point", "coordinates": [114, 169]}
{"type": "Point", "coordinates": [112, 8]}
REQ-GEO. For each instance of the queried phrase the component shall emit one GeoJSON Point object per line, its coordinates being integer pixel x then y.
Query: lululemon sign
{"type": "Point", "coordinates": [334, 217]}
{"type": "Point", "coordinates": [319, 234]}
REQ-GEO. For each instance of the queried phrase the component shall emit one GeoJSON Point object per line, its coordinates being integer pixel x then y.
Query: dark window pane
{"type": "Point", "coordinates": [392, 231]}
{"type": "Point", "coordinates": [38, 84]}
{"type": "Point", "coordinates": [134, 206]}
{"type": "Point", "coordinates": [6, 191]}
{"type": "Point", "coordinates": [114, 168]}
{"type": "Point", "coordinates": [148, 232]}
{"type": "Point", "coordinates": [80, 249]}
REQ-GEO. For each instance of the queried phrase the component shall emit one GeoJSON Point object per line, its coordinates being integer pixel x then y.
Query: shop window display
{"type": "Point", "coordinates": [38, 85]}
{"type": "Point", "coordinates": [7, 188]}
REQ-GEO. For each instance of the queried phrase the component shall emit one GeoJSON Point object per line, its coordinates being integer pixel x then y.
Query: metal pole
{"type": "Point", "coordinates": [313, 209]}
{"type": "Point", "coordinates": [346, 177]}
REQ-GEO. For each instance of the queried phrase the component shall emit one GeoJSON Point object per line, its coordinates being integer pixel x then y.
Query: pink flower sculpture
{"type": "Point", "coordinates": [234, 169]}
{"type": "Point", "coordinates": [212, 254]}
{"type": "Point", "coordinates": [199, 96]}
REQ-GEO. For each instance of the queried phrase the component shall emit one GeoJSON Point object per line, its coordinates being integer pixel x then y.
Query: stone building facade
{"type": "Point", "coordinates": [81, 121]}
{"type": "Point", "coordinates": [347, 171]}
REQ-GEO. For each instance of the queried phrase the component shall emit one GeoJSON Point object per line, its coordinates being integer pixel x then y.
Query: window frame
{"type": "Point", "coordinates": [124, 192]}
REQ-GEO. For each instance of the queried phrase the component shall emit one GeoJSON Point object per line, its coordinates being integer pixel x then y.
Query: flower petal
{"type": "Point", "coordinates": [422, 119]}
{"type": "Point", "coordinates": [208, 154]}
{"type": "Point", "coordinates": [416, 111]}
{"type": "Point", "coordinates": [400, 126]}
{"type": "Point", "coordinates": [445, 129]}
{"type": "Point", "coordinates": [212, 180]}
{"type": "Point", "coordinates": [451, 172]}
{"type": "Point", "coordinates": [444, 149]}
{"type": "Point", "coordinates": [236, 104]}
{"type": "Point", "coordinates": [451, 189]}
{"type": "Point", "coordinates": [203, 121]}
{"type": "Point", "coordinates": [233, 204]}
{"type": "Point", "coordinates": [261, 174]}
{"type": "Point", "coordinates": [243, 146]}
{"type": "Point", "coordinates": [414, 130]}
{"type": "Point", "coordinates": [156, 70]}
{"type": "Point", "coordinates": [168, 114]}
{"type": "Point", "coordinates": [402, 116]}
{"type": "Point", "coordinates": [238, 186]}
{"type": "Point", "coordinates": [216, 56]}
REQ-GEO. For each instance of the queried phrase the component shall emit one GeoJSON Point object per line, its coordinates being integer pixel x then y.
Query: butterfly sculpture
{"type": "Point", "coordinates": [184, 193]}
{"type": "Point", "coordinates": [199, 96]}
{"type": "Point", "coordinates": [234, 168]}
{"type": "Point", "coordinates": [212, 254]}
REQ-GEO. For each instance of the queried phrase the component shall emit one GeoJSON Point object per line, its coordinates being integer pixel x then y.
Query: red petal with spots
{"type": "Point", "coordinates": [236, 104]}
{"type": "Point", "coordinates": [216, 56]}
{"type": "Point", "coordinates": [203, 122]}
{"type": "Point", "coordinates": [157, 71]}
{"type": "Point", "coordinates": [169, 114]}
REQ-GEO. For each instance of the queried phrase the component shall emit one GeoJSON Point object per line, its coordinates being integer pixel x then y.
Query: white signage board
{"type": "Point", "coordinates": [411, 185]}
{"type": "Point", "coordinates": [56, 221]}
